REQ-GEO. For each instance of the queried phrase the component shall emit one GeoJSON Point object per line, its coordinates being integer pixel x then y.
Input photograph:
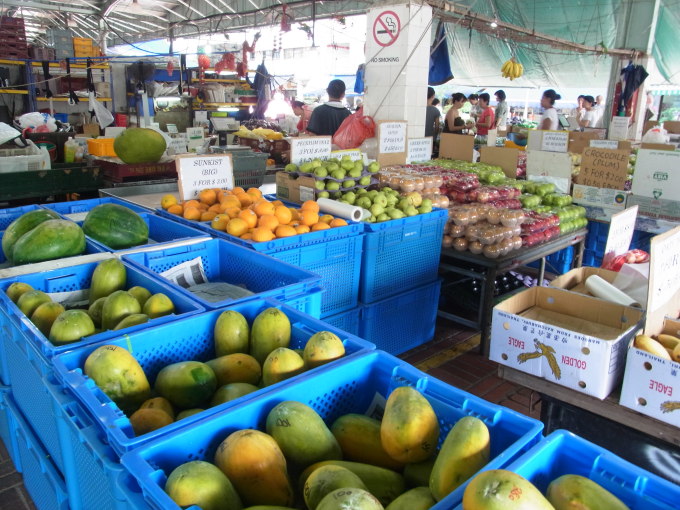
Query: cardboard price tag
{"type": "Point", "coordinates": [306, 149]}
{"type": "Point", "coordinates": [620, 234]}
{"type": "Point", "coordinates": [604, 168]}
{"type": "Point", "coordinates": [419, 149]}
{"type": "Point", "coordinates": [664, 270]}
{"type": "Point", "coordinates": [604, 144]}
{"type": "Point", "coordinates": [392, 137]}
{"type": "Point", "coordinates": [618, 128]}
{"type": "Point", "coordinates": [555, 141]}
{"type": "Point", "coordinates": [195, 173]}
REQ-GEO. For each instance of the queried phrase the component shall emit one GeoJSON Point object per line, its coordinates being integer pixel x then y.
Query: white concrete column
{"type": "Point", "coordinates": [398, 63]}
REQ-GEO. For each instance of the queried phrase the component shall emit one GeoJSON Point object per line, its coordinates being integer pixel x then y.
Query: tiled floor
{"type": "Point", "coordinates": [451, 357]}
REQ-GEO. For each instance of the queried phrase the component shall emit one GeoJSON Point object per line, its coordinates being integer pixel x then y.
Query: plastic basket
{"type": "Point", "coordinates": [346, 321]}
{"type": "Point", "coordinates": [596, 242]}
{"type": "Point", "coordinates": [78, 209]}
{"type": "Point", "coordinates": [42, 480]}
{"type": "Point", "coordinates": [559, 262]}
{"type": "Point", "coordinates": [190, 339]}
{"type": "Point", "coordinates": [402, 322]}
{"type": "Point", "coordinates": [348, 387]}
{"type": "Point", "coordinates": [7, 216]}
{"type": "Point", "coordinates": [401, 254]}
{"type": "Point", "coordinates": [7, 435]}
{"type": "Point", "coordinates": [564, 453]}
{"type": "Point", "coordinates": [223, 261]}
{"type": "Point", "coordinates": [101, 147]}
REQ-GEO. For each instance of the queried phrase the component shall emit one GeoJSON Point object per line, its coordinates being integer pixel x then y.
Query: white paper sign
{"type": "Point", "coordinates": [665, 270]}
{"type": "Point", "coordinates": [194, 137]}
{"type": "Point", "coordinates": [604, 144]}
{"type": "Point", "coordinates": [620, 234]}
{"type": "Point", "coordinates": [657, 175]}
{"type": "Point", "coordinates": [419, 149]}
{"type": "Point", "coordinates": [195, 173]}
{"type": "Point", "coordinates": [618, 128]}
{"type": "Point", "coordinates": [178, 146]}
{"type": "Point", "coordinates": [392, 137]}
{"type": "Point", "coordinates": [491, 138]}
{"type": "Point", "coordinates": [354, 154]}
{"type": "Point", "coordinates": [306, 149]}
{"type": "Point", "coordinates": [550, 167]}
{"type": "Point", "coordinates": [172, 128]}
{"type": "Point", "coordinates": [555, 141]}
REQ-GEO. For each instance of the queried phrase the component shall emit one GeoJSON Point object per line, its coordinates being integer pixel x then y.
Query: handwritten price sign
{"type": "Point", "coordinates": [392, 137]}
{"type": "Point", "coordinates": [621, 231]}
{"type": "Point", "coordinates": [306, 149]}
{"type": "Point", "coordinates": [604, 168]}
{"type": "Point", "coordinates": [195, 173]}
{"type": "Point", "coordinates": [419, 149]}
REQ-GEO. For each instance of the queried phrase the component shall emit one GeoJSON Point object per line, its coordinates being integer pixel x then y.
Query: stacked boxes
{"type": "Point", "coordinates": [62, 42]}
{"type": "Point", "coordinates": [13, 38]}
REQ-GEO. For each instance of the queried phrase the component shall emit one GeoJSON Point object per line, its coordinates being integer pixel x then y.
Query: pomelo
{"type": "Point", "coordinates": [139, 145]}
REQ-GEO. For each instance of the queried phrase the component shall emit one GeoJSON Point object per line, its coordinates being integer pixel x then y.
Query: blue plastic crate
{"type": "Point", "coordinates": [7, 216]}
{"type": "Point", "coordinates": [559, 262]}
{"type": "Point", "coordinates": [402, 322]}
{"type": "Point", "coordinates": [7, 434]}
{"type": "Point", "coordinates": [563, 453]}
{"type": "Point", "coordinates": [596, 242]}
{"type": "Point", "coordinates": [223, 261]}
{"type": "Point", "coordinates": [400, 255]}
{"type": "Point", "coordinates": [190, 339]}
{"type": "Point", "coordinates": [346, 321]}
{"type": "Point", "coordinates": [347, 387]}
{"type": "Point", "coordinates": [42, 479]}
{"type": "Point", "coordinates": [77, 209]}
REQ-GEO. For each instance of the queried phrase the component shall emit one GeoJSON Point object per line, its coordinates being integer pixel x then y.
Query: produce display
{"type": "Point", "coordinates": [387, 204]}
{"type": "Point", "coordinates": [258, 133]}
{"type": "Point", "coordinates": [355, 462]}
{"type": "Point", "coordinates": [110, 307]}
{"type": "Point", "coordinates": [248, 215]}
{"type": "Point", "coordinates": [512, 69]}
{"type": "Point", "coordinates": [336, 176]}
{"type": "Point", "coordinates": [664, 346]}
{"type": "Point", "coordinates": [41, 235]}
{"type": "Point", "coordinates": [139, 145]}
{"type": "Point", "coordinates": [499, 489]}
{"type": "Point", "coordinates": [247, 358]}
{"type": "Point", "coordinates": [116, 226]}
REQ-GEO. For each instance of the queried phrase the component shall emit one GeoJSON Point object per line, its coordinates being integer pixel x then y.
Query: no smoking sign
{"type": "Point", "coordinates": [386, 28]}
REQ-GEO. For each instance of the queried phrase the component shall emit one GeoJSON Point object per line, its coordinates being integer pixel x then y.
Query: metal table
{"type": "Point", "coordinates": [480, 267]}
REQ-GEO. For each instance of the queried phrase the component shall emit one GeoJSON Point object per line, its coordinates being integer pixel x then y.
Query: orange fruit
{"type": "Point", "coordinates": [191, 203]}
{"type": "Point", "coordinates": [230, 201]}
{"type": "Point", "coordinates": [283, 214]}
{"type": "Point", "coordinates": [192, 213]}
{"type": "Point", "coordinates": [237, 190]}
{"type": "Point", "coordinates": [254, 191]}
{"type": "Point", "coordinates": [220, 221]}
{"type": "Point", "coordinates": [262, 235]}
{"type": "Point", "coordinates": [237, 227]}
{"type": "Point", "coordinates": [167, 201]}
{"type": "Point", "coordinates": [249, 217]}
{"type": "Point", "coordinates": [208, 216]}
{"type": "Point", "coordinates": [285, 231]}
{"type": "Point", "coordinates": [326, 218]}
{"type": "Point", "coordinates": [207, 196]}
{"type": "Point", "coordinates": [245, 199]}
{"type": "Point", "coordinates": [176, 209]}
{"type": "Point", "coordinates": [202, 207]}
{"type": "Point", "coordinates": [320, 226]}
{"type": "Point", "coordinates": [216, 208]}
{"type": "Point", "coordinates": [247, 236]}
{"type": "Point", "coordinates": [233, 212]}
{"type": "Point", "coordinates": [268, 221]}
{"type": "Point", "coordinates": [338, 222]}
{"type": "Point", "coordinates": [302, 229]}
{"type": "Point", "coordinates": [277, 203]}
{"type": "Point", "coordinates": [295, 214]}
{"type": "Point", "coordinates": [263, 207]}
{"type": "Point", "coordinates": [310, 205]}
{"type": "Point", "coordinates": [308, 217]}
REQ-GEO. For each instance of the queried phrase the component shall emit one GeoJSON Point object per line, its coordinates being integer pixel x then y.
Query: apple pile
{"type": "Point", "coordinates": [387, 204]}
{"type": "Point", "coordinates": [335, 176]}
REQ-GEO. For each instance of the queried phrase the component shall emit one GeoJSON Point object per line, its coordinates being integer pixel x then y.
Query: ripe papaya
{"type": "Point", "coordinates": [159, 403]}
{"type": "Point", "coordinates": [188, 412]}
{"type": "Point", "coordinates": [237, 367]}
{"type": "Point", "coordinates": [44, 316]}
{"type": "Point", "coordinates": [409, 431]}
{"type": "Point", "coordinates": [119, 375]}
{"type": "Point", "coordinates": [419, 498]}
{"type": "Point", "coordinates": [117, 306]}
{"type": "Point", "coordinates": [158, 305]}
{"type": "Point", "coordinates": [149, 419]}
{"type": "Point", "coordinates": [71, 326]}
{"type": "Point", "coordinates": [418, 473]}
{"type": "Point", "coordinates": [325, 480]}
{"type": "Point", "coordinates": [574, 492]}
{"type": "Point", "coordinates": [109, 276]}
{"type": "Point", "coordinates": [22, 225]}
{"type": "Point", "coordinates": [302, 434]}
{"type": "Point", "coordinates": [384, 484]}
{"type": "Point", "coordinates": [359, 439]}
{"type": "Point", "coordinates": [499, 489]}
{"type": "Point", "coordinates": [52, 239]}
{"type": "Point", "coordinates": [141, 294]}
{"type": "Point", "coordinates": [30, 300]}
{"type": "Point", "coordinates": [187, 384]}
{"type": "Point", "coordinates": [341, 499]}
{"type": "Point", "coordinates": [465, 451]}
{"type": "Point", "coordinates": [271, 329]}
{"type": "Point", "coordinates": [231, 391]}
{"type": "Point", "coordinates": [231, 333]}
{"type": "Point", "coordinates": [322, 347]}
{"type": "Point", "coordinates": [255, 464]}
{"type": "Point", "coordinates": [281, 364]}
{"type": "Point", "coordinates": [16, 290]}
{"type": "Point", "coordinates": [202, 484]}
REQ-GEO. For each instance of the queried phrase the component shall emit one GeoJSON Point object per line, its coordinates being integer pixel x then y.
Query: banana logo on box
{"type": "Point", "coordinates": [669, 407]}
{"type": "Point", "coordinates": [543, 350]}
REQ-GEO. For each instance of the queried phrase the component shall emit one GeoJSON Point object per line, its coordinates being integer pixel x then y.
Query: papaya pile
{"type": "Point", "coordinates": [357, 462]}
{"type": "Point", "coordinates": [499, 489]}
{"type": "Point", "coordinates": [247, 358]}
{"type": "Point", "coordinates": [111, 307]}
{"type": "Point", "coordinates": [248, 215]}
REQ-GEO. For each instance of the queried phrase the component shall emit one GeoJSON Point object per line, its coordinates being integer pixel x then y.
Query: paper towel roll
{"type": "Point", "coordinates": [601, 288]}
{"type": "Point", "coordinates": [347, 211]}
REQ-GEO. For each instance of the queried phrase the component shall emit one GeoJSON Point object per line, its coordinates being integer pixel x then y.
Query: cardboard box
{"type": "Point", "coordinates": [294, 188]}
{"type": "Point", "coordinates": [649, 125]}
{"type": "Point", "coordinates": [579, 141]}
{"type": "Point", "coordinates": [672, 126]}
{"type": "Point", "coordinates": [569, 339]}
{"type": "Point", "coordinates": [504, 157]}
{"type": "Point", "coordinates": [667, 210]}
{"type": "Point", "coordinates": [658, 146]}
{"type": "Point", "coordinates": [599, 197]}
{"type": "Point", "coordinates": [575, 280]}
{"type": "Point", "coordinates": [454, 146]}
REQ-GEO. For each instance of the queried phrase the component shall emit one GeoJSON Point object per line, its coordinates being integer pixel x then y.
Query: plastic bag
{"type": "Point", "coordinates": [354, 130]}
{"type": "Point", "coordinates": [630, 257]}
{"type": "Point", "coordinates": [655, 135]}
{"type": "Point", "coordinates": [104, 117]}
{"type": "Point", "coordinates": [38, 122]}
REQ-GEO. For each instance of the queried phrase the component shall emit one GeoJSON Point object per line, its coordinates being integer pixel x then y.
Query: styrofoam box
{"type": "Point", "coordinates": [651, 385]}
{"type": "Point", "coordinates": [570, 350]}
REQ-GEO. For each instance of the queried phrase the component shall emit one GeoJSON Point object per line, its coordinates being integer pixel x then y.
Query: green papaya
{"type": "Point", "coordinates": [187, 384]}
{"type": "Point", "coordinates": [271, 329]}
{"type": "Point", "coordinates": [109, 276]}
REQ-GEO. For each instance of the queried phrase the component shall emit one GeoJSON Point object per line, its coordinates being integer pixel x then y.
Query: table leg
{"type": "Point", "coordinates": [541, 271]}
{"type": "Point", "coordinates": [580, 248]}
{"type": "Point", "coordinates": [487, 310]}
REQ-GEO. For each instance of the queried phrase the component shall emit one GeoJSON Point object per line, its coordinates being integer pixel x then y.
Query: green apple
{"type": "Point", "coordinates": [387, 189]}
{"type": "Point", "coordinates": [332, 167]}
{"type": "Point", "coordinates": [424, 210]}
{"type": "Point", "coordinates": [374, 167]}
{"type": "Point", "coordinates": [291, 167]}
{"type": "Point", "coordinates": [372, 193]}
{"type": "Point", "coordinates": [348, 184]}
{"type": "Point", "coordinates": [355, 173]}
{"type": "Point", "coordinates": [380, 199]}
{"type": "Point", "coordinates": [426, 203]}
{"type": "Point", "coordinates": [404, 204]}
{"type": "Point", "coordinates": [361, 191]}
{"type": "Point", "coordinates": [365, 181]}
{"type": "Point", "coordinates": [382, 217]}
{"type": "Point", "coordinates": [347, 164]}
{"type": "Point", "coordinates": [411, 211]}
{"type": "Point", "coordinates": [324, 194]}
{"type": "Point", "coordinates": [306, 168]}
{"type": "Point", "coordinates": [377, 209]}
{"type": "Point", "coordinates": [396, 214]}
{"type": "Point", "coordinates": [320, 172]}
{"type": "Point", "coordinates": [316, 163]}
{"type": "Point", "coordinates": [338, 174]}
{"type": "Point", "coordinates": [415, 198]}
{"type": "Point", "coordinates": [333, 160]}
{"type": "Point", "coordinates": [359, 166]}
{"type": "Point", "coordinates": [350, 196]}
{"type": "Point", "coordinates": [370, 219]}
{"type": "Point", "coordinates": [336, 195]}
{"type": "Point", "coordinates": [332, 185]}
{"type": "Point", "coordinates": [363, 202]}
{"type": "Point", "coordinates": [392, 200]}
{"type": "Point", "coordinates": [319, 185]}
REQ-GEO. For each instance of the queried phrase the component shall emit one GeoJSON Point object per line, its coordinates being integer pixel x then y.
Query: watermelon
{"type": "Point", "coordinates": [23, 224]}
{"type": "Point", "coordinates": [51, 239]}
{"type": "Point", "coordinates": [116, 226]}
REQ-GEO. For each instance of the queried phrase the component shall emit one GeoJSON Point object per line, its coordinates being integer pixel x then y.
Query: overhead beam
{"type": "Point", "coordinates": [60, 7]}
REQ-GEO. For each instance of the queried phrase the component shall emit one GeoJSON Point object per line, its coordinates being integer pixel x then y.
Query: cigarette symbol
{"type": "Point", "coordinates": [391, 26]}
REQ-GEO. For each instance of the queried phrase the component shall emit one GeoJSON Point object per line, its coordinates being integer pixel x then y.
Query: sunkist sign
{"type": "Point", "coordinates": [195, 173]}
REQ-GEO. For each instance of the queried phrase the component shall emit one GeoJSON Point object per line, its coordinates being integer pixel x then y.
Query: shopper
{"type": "Point", "coordinates": [578, 111]}
{"type": "Point", "coordinates": [588, 117]}
{"type": "Point", "coordinates": [549, 118]}
{"type": "Point", "coordinates": [304, 112]}
{"type": "Point", "coordinates": [599, 112]}
{"type": "Point", "coordinates": [475, 110]}
{"type": "Point", "coordinates": [486, 119]}
{"type": "Point", "coordinates": [501, 113]}
{"type": "Point", "coordinates": [326, 119]}
{"type": "Point", "coordinates": [453, 122]}
{"type": "Point", "coordinates": [432, 115]}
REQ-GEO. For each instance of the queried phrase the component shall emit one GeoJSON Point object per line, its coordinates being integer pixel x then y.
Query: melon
{"type": "Point", "coordinates": [139, 145]}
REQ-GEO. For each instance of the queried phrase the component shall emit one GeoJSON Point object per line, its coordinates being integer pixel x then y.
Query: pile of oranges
{"type": "Point", "coordinates": [248, 215]}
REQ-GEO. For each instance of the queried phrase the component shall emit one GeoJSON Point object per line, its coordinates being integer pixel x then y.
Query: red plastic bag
{"type": "Point", "coordinates": [630, 257]}
{"type": "Point", "coordinates": [354, 130]}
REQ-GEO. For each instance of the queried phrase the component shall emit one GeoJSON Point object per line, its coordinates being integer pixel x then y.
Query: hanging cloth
{"type": "Point", "coordinates": [634, 76]}
{"type": "Point", "coordinates": [182, 70]}
{"type": "Point", "coordinates": [262, 85]}
{"type": "Point", "coordinates": [47, 77]}
{"type": "Point", "coordinates": [440, 64]}
{"type": "Point", "coordinates": [73, 99]}
{"type": "Point", "coordinates": [359, 82]}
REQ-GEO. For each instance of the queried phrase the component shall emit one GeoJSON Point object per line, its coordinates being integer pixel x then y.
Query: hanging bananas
{"type": "Point", "coordinates": [512, 69]}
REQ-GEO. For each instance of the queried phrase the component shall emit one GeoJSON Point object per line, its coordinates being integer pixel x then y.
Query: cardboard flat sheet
{"type": "Point", "coordinates": [572, 323]}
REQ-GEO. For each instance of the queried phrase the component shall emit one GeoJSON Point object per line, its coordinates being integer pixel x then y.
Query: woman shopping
{"type": "Point", "coordinates": [589, 116]}
{"type": "Point", "coordinates": [487, 118]}
{"type": "Point", "coordinates": [453, 122]}
{"type": "Point", "coordinates": [549, 119]}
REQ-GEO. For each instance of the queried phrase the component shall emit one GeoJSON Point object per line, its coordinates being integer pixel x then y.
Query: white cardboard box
{"type": "Point", "coordinates": [599, 197]}
{"type": "Point", "coordinates": [574, 280]}
{"type": "Point", "coordinates": [569, 339]}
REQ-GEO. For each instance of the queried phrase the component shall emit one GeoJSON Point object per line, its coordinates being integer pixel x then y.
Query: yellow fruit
{"type": "Point", "coordinates": [208, 196]}
{"type": "Point", "coordinates": [147, 420]}
{"type": "Point", "coordinates": [359, 439]}
{"type": "Point", "coordinates": [323, 347]}
{"type": "Point", "coordinates": [231, 335]}
{"type": "Point", "coordinates": [249, 217]}
{"type": "Point", "coordinates": [268, 221]}
{"type": "Point", "coordinates": [220, 222]}
{"type": "Point", "coordinates": [232, 391]}
{"type": "Point", "coordinates": [192, 213]}
{"type": "Point", "coordinates": [310, 205]}
{"type": "Point", "coordinates": [263, 207]}
{"type": "Point", "coordinates": [271, 329]}
{"type": "Point", "coordinates": [498, 489]}
{"type": "Point", "coordinates": [326, 218]}
{"type": "Point", "coordinates": [283, 214]}
{"type": "Point", "coordinates": [320, 226]}
{"type": "Point", "coordinates": [338, 222]}
{"type": "Point", "coordinates": [237, 227]}
{"type": "Point", "coordinates": [208, 216]}
{"type": "Point", "coordinates": [237, 367]}
{"type": "Point", "coordinates": [245, 199]}
{"type": "Point", "coordinates": [167, 201]}
{"type": "Point", "coordinates": [302, 229]}
{"type": "Point", "coordinates": [176, 209]}
{"type": "Point", "coordinates": [159, 403]}
{"type": "Point", "coordinates": [203, 485]}
{"type": "Point", "coordinates": [285, 231]}
{"type": "Point", "coordinates": [648, 344]}
{"type": "Point", "coordinates": [325, 480]}
{"type": "Point", "coordinates": [668, 341]}
{"type": "Point", "coordinates": [419, 498]}
{"type": "Point", "coordinates": [281, 364]}
{"type": "Point", "coordinates": [308, 217]}
{"type": "Point", "coordinates": [577, 492]}
{"type": "Point", "coordinates": [262, 235]}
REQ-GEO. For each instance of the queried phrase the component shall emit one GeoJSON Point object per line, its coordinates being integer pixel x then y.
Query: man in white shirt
{"type": "Point", "coordinates": [599, 112]}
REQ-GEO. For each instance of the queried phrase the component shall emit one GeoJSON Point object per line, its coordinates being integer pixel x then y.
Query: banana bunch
{"type": "Point", "coordinates": [512, 69]}
{"type": "Point", "coordinates": [665, 346]}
